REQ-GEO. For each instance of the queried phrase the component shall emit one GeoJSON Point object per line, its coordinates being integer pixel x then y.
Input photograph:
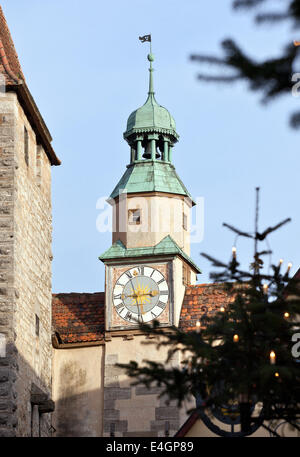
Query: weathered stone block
{"type": "Point", "coordinates": [160, 425]}
{"type": "Point", "coordinates": [4, 361]}
{"type": "Point", "coordinates": [111, 359]}
{"type": "Point", "coordinates": [111, 414]}
{"type": "Point", "coordinates": [109, 404]}
{"type": "Point", "coordinates": [111, 381]}
{"type": "Point", "coordinates": [4, 417]}
{"type": "Point", "coordinates": [114, 393]}
{"type": "Point", "coordinates": [166, 413]}
{"type": "Point", "coordinates": [142, 390]}
{"type": "Point", "coordinates": [4, 389]}
{"type": "Point", "coordinates": [111, 371]}
{"type": "Point", "coordinates": [7, 432]}
{"type": "Point", "coordinates": [120, 426]}
{"type": "Point", "coordinates": [6, 405]}
{"type": "Point", "coordinates": [4, 374]}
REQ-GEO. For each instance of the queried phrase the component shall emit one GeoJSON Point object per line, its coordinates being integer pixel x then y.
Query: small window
{"type": "Point", "coordinates": [184, 221]}
{"type": "Point", "coordinates": [37, 325]}
{"type": "Point", "coordinates": [134, 216]}
{"type": "Point", "coordinates": [186, 275]}
{"type": "Point", "coordinates": [26, 146]}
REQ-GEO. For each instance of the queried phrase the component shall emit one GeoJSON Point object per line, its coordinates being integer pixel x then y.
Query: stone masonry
{"type": "Point", "coordinates": [25, 274]}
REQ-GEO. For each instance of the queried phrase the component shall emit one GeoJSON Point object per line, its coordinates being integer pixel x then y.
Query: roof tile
{"type": "Point", "coordinates": [200, 299]}
{"type": "Point", "coordinates": [78, 317]}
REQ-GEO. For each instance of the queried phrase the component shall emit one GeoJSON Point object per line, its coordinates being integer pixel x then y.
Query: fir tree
{"type": "Point", "coordinates": [241, 355]}
{"type": "Point", "coordinates": [271, 77]}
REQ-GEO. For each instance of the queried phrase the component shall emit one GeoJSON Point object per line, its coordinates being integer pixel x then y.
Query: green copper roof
{"type": "Point", "coordinates": [167, 246]}
{"type": "Point", "coordinates": [151, 116]}
{"type": "Point", "coordinates": [150, 176]}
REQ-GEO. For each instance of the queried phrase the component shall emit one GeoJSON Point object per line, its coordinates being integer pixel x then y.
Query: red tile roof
{"type": "Point", "coordinates": [9, 61]}
{"type": "Point", "coordinates": [201, 299]}
{"type": "Point", "coordinates": [78, 318]}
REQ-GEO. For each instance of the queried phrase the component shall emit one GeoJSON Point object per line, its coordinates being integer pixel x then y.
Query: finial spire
{"type": "Point", "coordinates": [151, 59]}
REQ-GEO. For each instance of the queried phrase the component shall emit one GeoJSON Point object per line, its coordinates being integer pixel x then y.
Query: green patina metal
{"type": "Point", "coordinates": [150, 176]}
{"type": "Point", "coordinates": [151, 134]}
{"type": "Point", "coordinates": [151, 117]}
{"type": "Point", "coordinates": [167, 246]}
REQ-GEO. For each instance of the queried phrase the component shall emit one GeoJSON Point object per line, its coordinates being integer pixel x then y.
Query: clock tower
{"type": "Point", "coordinates": [148, 265]}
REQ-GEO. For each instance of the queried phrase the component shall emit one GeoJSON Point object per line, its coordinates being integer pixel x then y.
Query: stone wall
{"type": "Point", "coordinates": [78, 391]}
{"type": "Point", "coordinates": [25, 271]}
{"type": "Point", "coordinates": [135, 410]}
{"type": "Point", "coordinates": [8, 364]}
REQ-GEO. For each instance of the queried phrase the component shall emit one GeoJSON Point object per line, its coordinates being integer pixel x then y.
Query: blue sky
{"type": "Point", "coordinates": [87, 72]}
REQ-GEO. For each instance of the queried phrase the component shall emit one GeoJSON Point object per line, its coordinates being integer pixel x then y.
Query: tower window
{"type": "Point", "coordinates": [26, 146]}
{"type": "Point", "coordinates": [37, 325]}
{"type": "Point", "coordinates": [184, 221]}
{"type": "Point", "coordinates": [134, 216]}
{"type": "Point", "coordinates": [186, 275]}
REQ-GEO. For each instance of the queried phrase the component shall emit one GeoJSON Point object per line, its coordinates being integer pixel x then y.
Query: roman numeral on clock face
{"type": "Point", "coordinates": [161, 305]}
{"type": "Point", "coordinates": [163, 292]}
{"type": "Point", "coordinates": [119, 296]}
{"type": "Point", "coordinates": [162, 280]}
{"type": "Point", "coordinates": [128, 274]}
{"type": "Point", "coordinates": [119, 307]}
{"type": "Point", "coordinates": [141, 270]}
{"type": "Point", "coordinates": [128, 316]}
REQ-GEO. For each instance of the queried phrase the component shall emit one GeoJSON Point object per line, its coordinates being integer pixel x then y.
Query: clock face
{"type": "Point", "coordinates": [140, 294]}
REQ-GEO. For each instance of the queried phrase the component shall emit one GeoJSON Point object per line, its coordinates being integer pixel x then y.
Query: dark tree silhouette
{"type": "Point", "coordinates": [271, 77]}
{"type": "Point", "coordinates": [241, 356]}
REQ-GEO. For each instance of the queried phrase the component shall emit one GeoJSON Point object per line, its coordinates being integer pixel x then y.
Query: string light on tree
{"type": "Point", "coordinates": [272, 358]}
{"type": "Point", "coordinates": [289, 267]}
{"type": "Point", "coordinates": [255, 325]}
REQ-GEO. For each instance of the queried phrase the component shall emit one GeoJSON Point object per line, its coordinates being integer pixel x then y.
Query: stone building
{"type": "Point", "coordinates": [26, 157]}
{"type": "Point", "coordinates": [58, 353]}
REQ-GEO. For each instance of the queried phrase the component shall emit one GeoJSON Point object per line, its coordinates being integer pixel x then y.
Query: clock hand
{"type": "Point", "coordinates": [141, 311]}
{"type": "Point", "coordinates": [127, 296]}
{"type": "Point", "coordinates": [152, 293]}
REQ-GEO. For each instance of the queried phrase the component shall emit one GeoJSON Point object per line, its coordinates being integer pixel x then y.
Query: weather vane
{"type": "Point", "coordinates": [146, 38]}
